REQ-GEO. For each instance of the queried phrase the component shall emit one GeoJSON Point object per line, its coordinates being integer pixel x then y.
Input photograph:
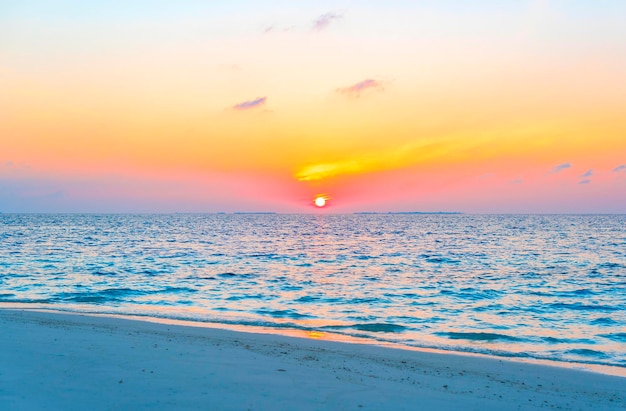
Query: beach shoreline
{"type": "Point", "coordinates": [78, 361]}
{"type": "Point", "coordinates": [316, 334]}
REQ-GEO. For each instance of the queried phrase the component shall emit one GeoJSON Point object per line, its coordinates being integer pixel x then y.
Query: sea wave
{"type": "Point", "coordinates": [529, 286]}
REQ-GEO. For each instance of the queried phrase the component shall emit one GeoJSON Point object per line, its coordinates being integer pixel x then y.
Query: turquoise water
{"type": "Point", "coordinates": [533, 286]}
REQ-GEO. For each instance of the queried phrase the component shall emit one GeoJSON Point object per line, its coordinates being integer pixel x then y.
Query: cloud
{"type": "Point", "coordinates": [323, 21]}
{"type": "Point", "coordinates": [559, 168]}
{"type": "Point", "coordinates": [589, 173]}
{"type": "Point", "coordinates": [13, 168]}
{"type": "Point", "coordinates": [277, 29]}
{"type": "Point", "coordinates": [619, 168]}
{"type": "Point", "coordinates": [326, 170]}
{"type": "Point", "coordinates": [517, 181]}
{"type": "Point", "coordinates": [584, 181]}
{"type": "Point", "coordinates": [246, 105]}
{"type": "Point", "coordinates": [357, 88]}
{"type": "Point", "coordinates": [377, 160]}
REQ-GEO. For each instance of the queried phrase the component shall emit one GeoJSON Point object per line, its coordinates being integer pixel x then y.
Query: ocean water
{"type": "Point", "coordinates": [531, 286]}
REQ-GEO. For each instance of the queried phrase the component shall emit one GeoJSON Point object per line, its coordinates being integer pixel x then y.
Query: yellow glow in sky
{"type": "Point", "coordinates": [387, 106]}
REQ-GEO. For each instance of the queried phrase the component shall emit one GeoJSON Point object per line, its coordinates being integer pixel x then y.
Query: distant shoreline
{"type": "Point", "coordinates": [408, 212]}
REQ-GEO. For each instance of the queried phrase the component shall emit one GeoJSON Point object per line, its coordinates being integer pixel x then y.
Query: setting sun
{"type": "Point", "coordinates": [320, 201]}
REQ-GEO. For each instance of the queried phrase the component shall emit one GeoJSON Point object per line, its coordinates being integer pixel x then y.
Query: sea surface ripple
{"type": "Point", "coordinates": [531, 286]}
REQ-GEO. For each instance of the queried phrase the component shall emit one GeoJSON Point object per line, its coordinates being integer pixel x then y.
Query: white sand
{"type": "Point", "coordinates": [73, 362]}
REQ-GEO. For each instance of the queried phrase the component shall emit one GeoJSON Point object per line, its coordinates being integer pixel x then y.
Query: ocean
{"type": "Point", "coordinates": [549, 287]}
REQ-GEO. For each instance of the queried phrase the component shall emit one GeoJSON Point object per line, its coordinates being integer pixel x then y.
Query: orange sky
{"type": "Point", "coordinates": [259, 106]}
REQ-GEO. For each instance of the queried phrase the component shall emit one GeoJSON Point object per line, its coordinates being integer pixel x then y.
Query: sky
{"type": "Point", "coordinates": [502, 106]}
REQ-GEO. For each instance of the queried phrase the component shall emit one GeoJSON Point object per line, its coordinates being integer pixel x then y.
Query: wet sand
{"type": "Point", "coordinates": [61, 361]}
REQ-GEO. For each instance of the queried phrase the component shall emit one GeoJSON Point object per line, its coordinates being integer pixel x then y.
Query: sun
{"type": "Point", "coordinates": [320, 201]}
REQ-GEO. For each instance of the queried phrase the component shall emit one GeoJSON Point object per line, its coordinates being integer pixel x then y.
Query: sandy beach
{"type": "Point", "coordinates": [61, 361]}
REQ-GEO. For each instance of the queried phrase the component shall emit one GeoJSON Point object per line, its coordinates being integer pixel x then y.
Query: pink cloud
{"type": "Point", "coordinates": [246, 105]}
{"type": "Point", "coordinates": [323, 21]}
{"type": "Point", "coordinates": [360, 87]}
{"type": "Point", "coordinates": [559, 168]}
